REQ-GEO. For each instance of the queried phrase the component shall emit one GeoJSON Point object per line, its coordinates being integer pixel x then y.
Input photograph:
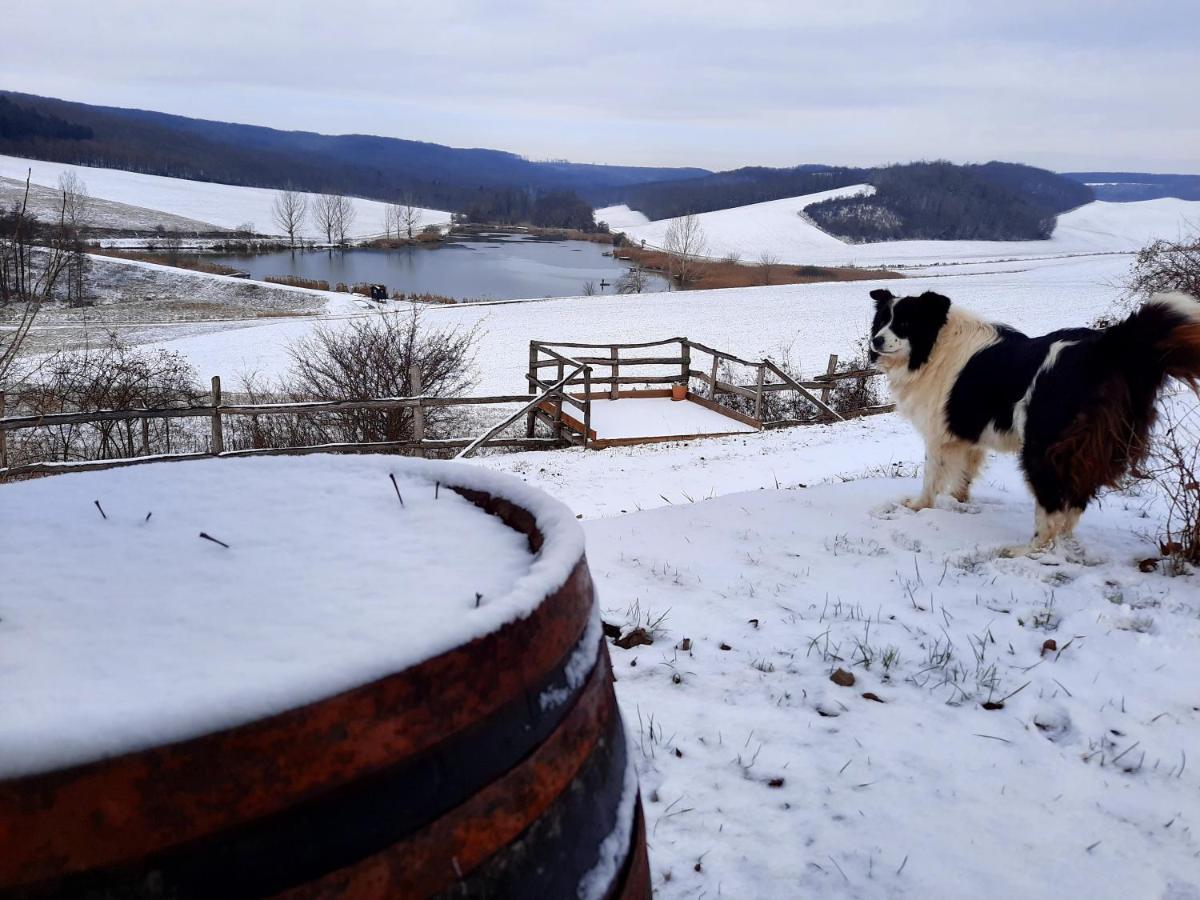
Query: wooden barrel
{"type": "Point", "coordinates": [498, 769]}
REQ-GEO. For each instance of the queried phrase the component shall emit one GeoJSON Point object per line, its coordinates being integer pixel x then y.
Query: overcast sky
{"type": "Point", "coordinates": [1069, 85]}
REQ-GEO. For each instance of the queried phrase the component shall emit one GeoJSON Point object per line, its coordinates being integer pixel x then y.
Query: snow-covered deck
{"type": "Point", "coordinates": [651, 417]}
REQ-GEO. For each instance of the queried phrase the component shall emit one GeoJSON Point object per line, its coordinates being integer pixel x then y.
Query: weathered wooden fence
{"type": "Point", "coordinates": [217, 411]}
{"type": "Point", "coordinates": [671, 366]}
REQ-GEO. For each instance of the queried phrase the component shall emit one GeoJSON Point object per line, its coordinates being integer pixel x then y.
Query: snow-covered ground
{"type": "Point", "coordinates": [814, 320]}
{"type": "Point", "coordinates": [784, 556]}
{"type": "Point", "coordinates": [223, 205]}
{"type": "Point", "coordinates": [636, 417]}
{"type": "Point", "coordinates": [780, 228]}
{"type": "Point", "coordinates": [620, 217]}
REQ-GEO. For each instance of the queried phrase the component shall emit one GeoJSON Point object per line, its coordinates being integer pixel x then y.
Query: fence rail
{"type": "Point", "coordinates": [216, 412]}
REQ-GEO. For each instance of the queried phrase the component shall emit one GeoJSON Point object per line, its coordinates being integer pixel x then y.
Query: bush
{"type": "Point", "coordinates": [296, 281]}
{"type": "Point", "coordinates": [110, 375]}
{"type": "Point", "coordinates": [365, 359]}
{"type": "Point", "coordinates": [1173, 464]}
{"type": "Point", "coordinates": [1166, 266]}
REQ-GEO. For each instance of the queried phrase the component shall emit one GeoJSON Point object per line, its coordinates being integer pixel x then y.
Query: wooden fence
{"type": "Point", "coordinates": [217, 411]}
{"type": "Point", "coordinates": [573, 383]}
{"type": "Point", "coordinates": [670, 366]}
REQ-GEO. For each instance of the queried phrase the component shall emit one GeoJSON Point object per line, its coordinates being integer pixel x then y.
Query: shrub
{"type": "Point", "coordinates": [315, 284]}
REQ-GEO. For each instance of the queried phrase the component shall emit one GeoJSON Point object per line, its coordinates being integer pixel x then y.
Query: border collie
{"type": "Point", "coordinates": [1077, 405]}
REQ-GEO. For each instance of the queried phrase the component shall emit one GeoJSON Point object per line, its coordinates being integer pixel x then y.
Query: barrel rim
{"type": "Point", "coordinates": [100, 825]}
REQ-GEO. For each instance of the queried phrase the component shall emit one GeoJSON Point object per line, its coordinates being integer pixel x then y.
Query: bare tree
{"type": "Point", "coordinates": [391, 220]}
{"type": "Point", "coordinates": [632, 282]}
{"type": "Point", "coordinates": [343, 219]}
{"type": "Point", "coordinates": [767, 261]}
{"type": "Point", "coordinates": [77, 203]}
{"type": "Point", "coordinates": [685, 243]}
{"type": "Point", "coordinates": [325, 215]}
{"type": "Point", "coordinates": [32, 259]}
{"type": "Point", "coordinates": [589, 288]}
{"type": "Point", "coordinates": [289, 209]}
{"type": "Point", "coordinates": [409, 215]}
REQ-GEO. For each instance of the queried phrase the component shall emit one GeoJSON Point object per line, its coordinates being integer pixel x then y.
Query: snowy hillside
{"type": "Point", "coordinates": [620, 217]}
{"type": "Point", "coordinates": [778, 227]}
{"type": "Point", "coordinates": [813, 320]}
{"type": "Point", "coordinates": [223, 205]}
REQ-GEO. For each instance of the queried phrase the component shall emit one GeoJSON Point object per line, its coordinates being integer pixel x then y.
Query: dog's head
{"type": "Point", "coordinates": [906, 328]}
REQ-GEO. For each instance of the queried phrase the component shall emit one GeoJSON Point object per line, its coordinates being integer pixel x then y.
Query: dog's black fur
{"type": "Point", "coordinates": [1078, 403]}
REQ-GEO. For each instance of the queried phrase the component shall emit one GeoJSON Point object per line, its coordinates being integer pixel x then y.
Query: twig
{"type": "Point", "coordinates": [209, 537]}
{"type": "Point", "coordinates": [101, 508]}
{"type": "Point", "coordinates": [148, 515]}
{"type": "Point", "coordinates": [397, 487]}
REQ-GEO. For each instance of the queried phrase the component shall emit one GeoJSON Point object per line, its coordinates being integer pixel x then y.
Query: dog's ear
{"type": "Point", "coordinates": [931, 300]}
{"type": "Point", "coordinates": [882, 296]}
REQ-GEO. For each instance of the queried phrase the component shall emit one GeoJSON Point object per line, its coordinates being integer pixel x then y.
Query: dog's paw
{"type": "Point", "coordinates": [1074, 552]}
{"type": "Point", "coordinates": [1020, 550]}
{"type": "Point", "coordinates": [916, 504]}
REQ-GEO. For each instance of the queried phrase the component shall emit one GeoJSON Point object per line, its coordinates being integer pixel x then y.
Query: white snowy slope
{"type": "Point", "coordinates": [223, 205]}
{"type": "Point", "coordinates": [620, 217]}
{"type": "Point", "coordinates": [812, 320]}
{"type": "Point", "coordinates": [779, 228]}
{"type": "Point", "coordinates": [785, 556]}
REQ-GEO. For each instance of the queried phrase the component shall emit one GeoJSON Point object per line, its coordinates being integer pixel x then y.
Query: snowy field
{"type": "Point", "coordinates": [779, 227]}
{"type": "Point", "coordinates": [812, 320]}
{"type": "Point", "coordinates": [784, 556]}
{"type": "Point", "coordinates": [223, 205]}
{"type": "Point", "coordinates": [620, 217]}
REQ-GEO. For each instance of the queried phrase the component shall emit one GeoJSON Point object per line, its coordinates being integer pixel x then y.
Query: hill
{"type": "Point", "coordinates": [940, 201]}
{"type": "Point", "coordinates": [360, 165]}
{"type": "Point", "coordinates": [1123, 187]}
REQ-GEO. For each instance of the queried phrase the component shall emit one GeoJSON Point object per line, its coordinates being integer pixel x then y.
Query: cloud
{"type": "Point", "coordinates": [1066, 84]}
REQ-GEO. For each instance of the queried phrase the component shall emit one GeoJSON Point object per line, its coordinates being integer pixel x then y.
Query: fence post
{"type": "Point", "coordinates": [613, 392]}
{"type": "Point", "coordinates": [414, 380]}
{"type": "Point", "coordinates": [587, 403]}
{"type": "Point", "coordinates": [3, 437]}
{"type": "Point", "coordinates": [145, 437]}
{"type": "Point", "coordinates": [558, 405]}
{"type": "Point", "coordinates": [830, 370]}
{"type": "Point", "coordinates": [758, 397]}
{"type": "Point", "coordinates": [685, 368]}
{"type": "Point", "coordinates": [531, 418]}
{"type": "Point", "coordinates": [218, 435]}
{"type": "Point", "coordinates": [712, 387]}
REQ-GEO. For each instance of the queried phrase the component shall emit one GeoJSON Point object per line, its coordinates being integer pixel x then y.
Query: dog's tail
{"type": "Point", "coordinates": [1160, 340]}
{"type": "Point", "coordinates": [1129, 364]}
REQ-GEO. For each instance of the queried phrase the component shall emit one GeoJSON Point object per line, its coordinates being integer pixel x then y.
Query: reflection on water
{"type": "Point", "coordinates": [498, 267]}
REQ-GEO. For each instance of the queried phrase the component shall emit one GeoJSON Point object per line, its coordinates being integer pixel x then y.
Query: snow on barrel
{"type": "Point", "coordinates": [309, 676]}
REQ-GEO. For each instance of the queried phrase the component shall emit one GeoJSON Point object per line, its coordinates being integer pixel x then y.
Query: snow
{"type": "Point", "coordinates": [223, 205]}
{"type": "Point", "coordinates": [620, 217]}
{"type": "Point", "coordinates": [814, 320]}
{"type": "Point", "coordinates": [131, 631]}
{"type": "Point", "coordinates": [780, 228]}
{"type": "Point", "coordinates": [790, 549]}
{"type": "Point", "coordinates": [637, 417]}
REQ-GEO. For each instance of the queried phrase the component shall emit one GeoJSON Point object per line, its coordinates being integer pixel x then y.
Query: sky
{"type": "Point", "coordinates": [1065, 84]}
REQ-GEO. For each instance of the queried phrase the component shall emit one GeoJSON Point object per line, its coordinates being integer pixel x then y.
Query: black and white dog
{"type": "Point", "coordinates": [1077, 405]}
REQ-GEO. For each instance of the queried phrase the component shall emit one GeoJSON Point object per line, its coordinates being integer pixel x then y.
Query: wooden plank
{"type": "Point", "coordinates": [547, 344]}
{"type": "Point", "coordinates": [735, 389]}
{"type": "Point", "coordinates": [492, 432]}
{"type": "Point", "coordinates": [415, 384]}
{"type": "Point", "coordinates": [615, 353]}
{"type": "Point", "coordinates": [696, 345]}
{"type": "Point", "coordinates": [724, 410]}
{"type": "Point", "coordinates": [630, 442]}
{"type": "Point", "coordinates": [615, 361]}
{"type": "Point", "coordinates": [648, 393]}
{"type": "Point", "coordinates": [807, 395]}
{"type": "Point", "coordinates": [758, 393]}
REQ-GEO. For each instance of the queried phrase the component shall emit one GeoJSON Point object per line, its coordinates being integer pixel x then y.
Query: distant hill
{"type": "Point", "coordinates": [378, 168]}
{"type": "Point", "coordinates": [725, 190]}
{"type": "Point", "coordinates": [1125, 187]}
{"type": "Point", "coordinates": [941, 201]}
{"type": "Point", "coordinates": [918, 201]}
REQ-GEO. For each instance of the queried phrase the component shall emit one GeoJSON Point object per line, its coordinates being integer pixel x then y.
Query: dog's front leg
{"type": "Point", "coordinates": [935, 473]}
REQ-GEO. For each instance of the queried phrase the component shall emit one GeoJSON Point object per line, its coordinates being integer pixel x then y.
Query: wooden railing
{"type": "Point", "coordinates": [217, 411]}
{"type": "Point", "coordinates": [671, 366]}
